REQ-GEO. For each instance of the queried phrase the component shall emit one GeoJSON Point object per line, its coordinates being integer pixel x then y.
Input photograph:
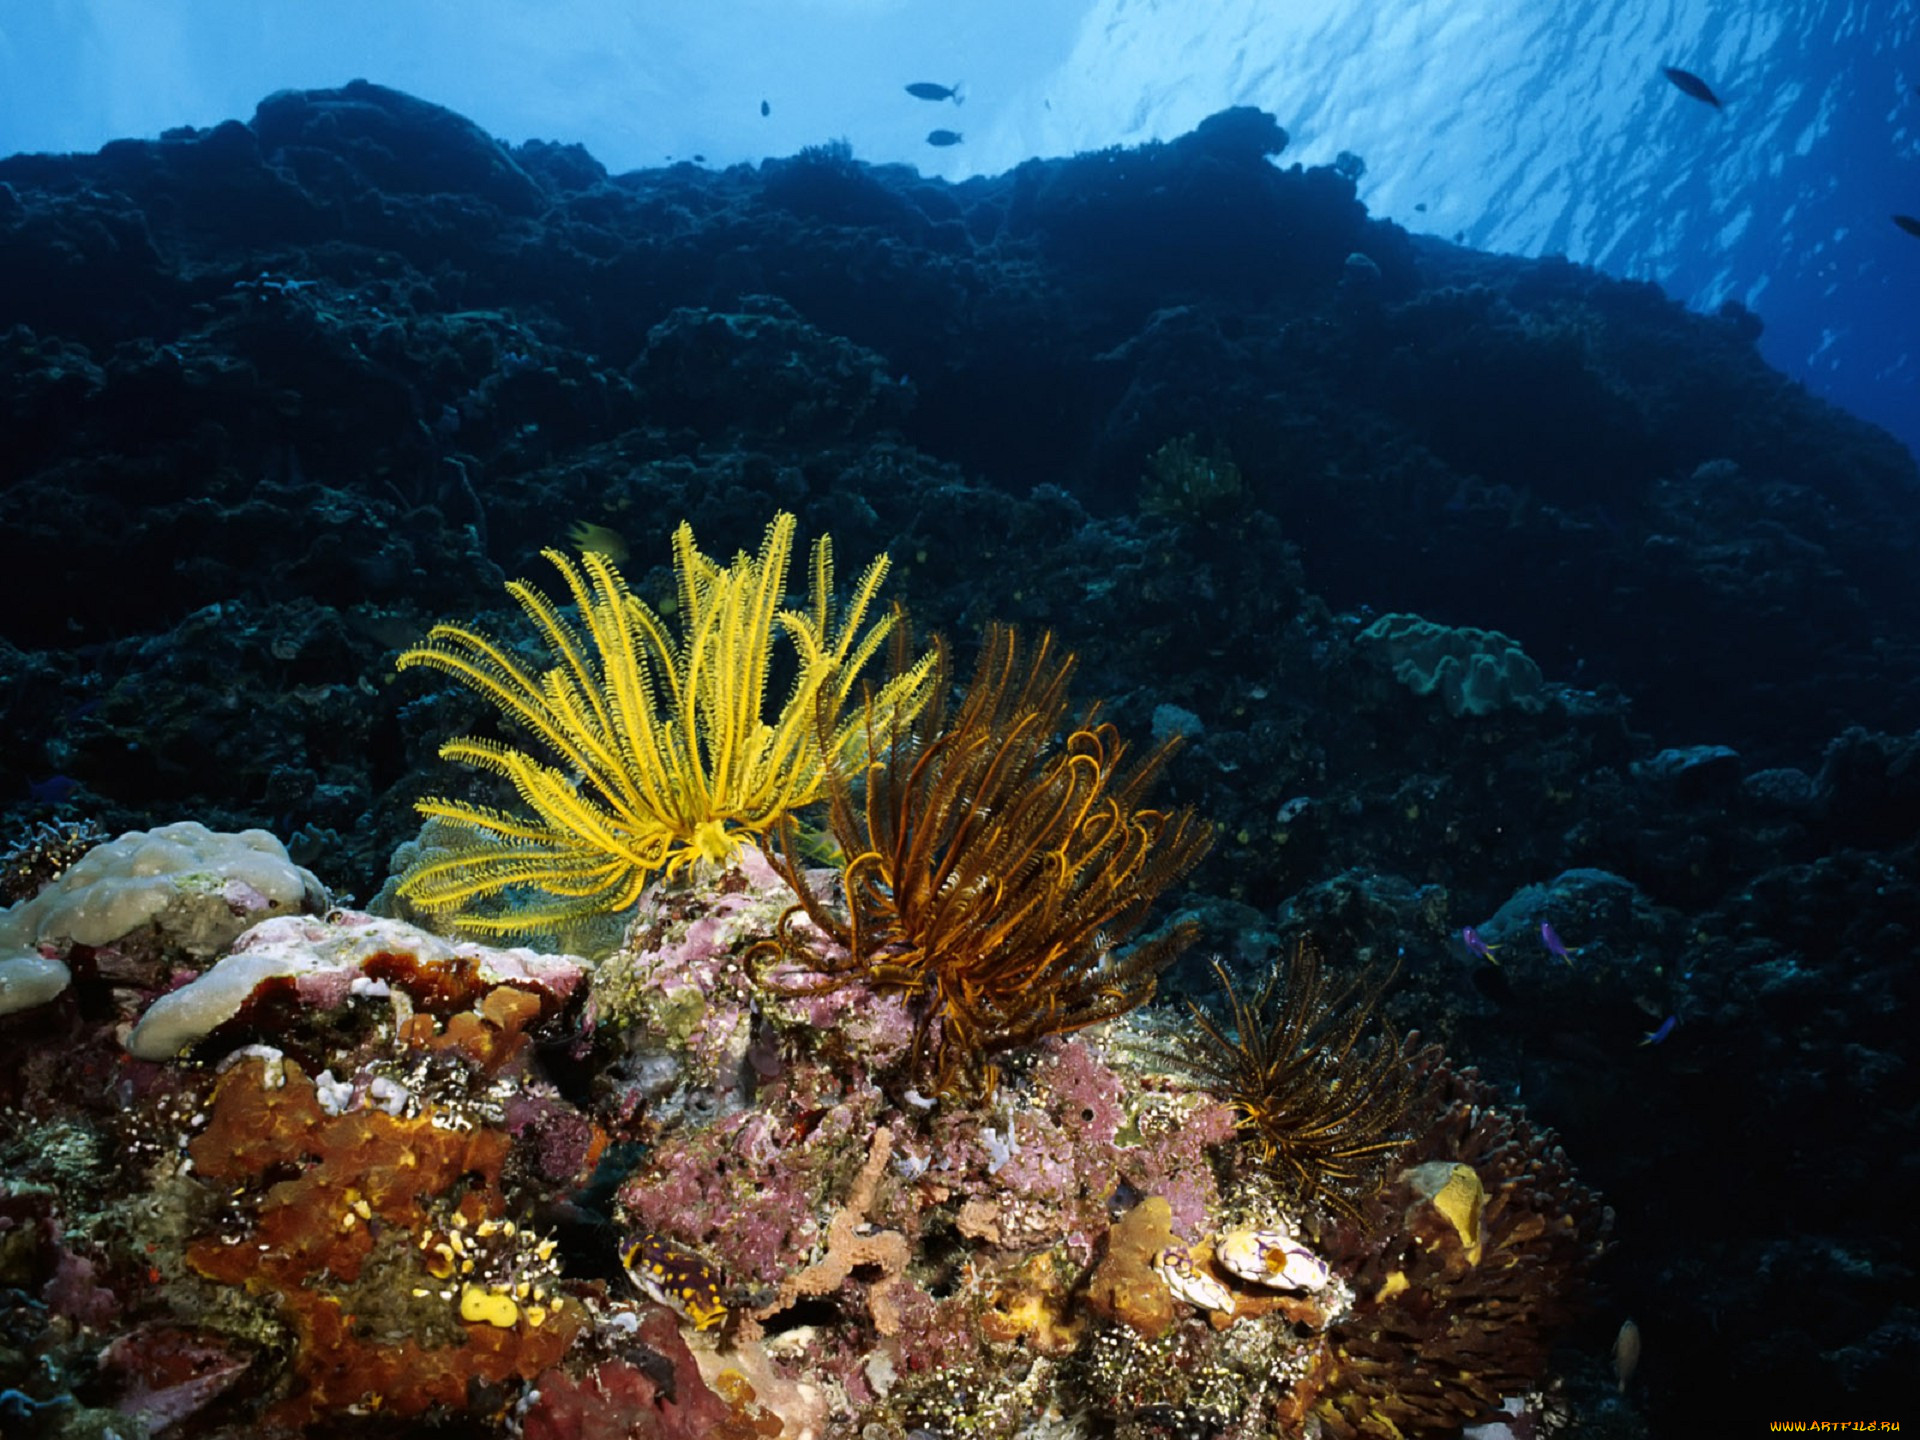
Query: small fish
{"type": "Point", "coordinates": [54, 790]}
{"type": "Point", "coordinates": [600, 540]}
{"type": "Point", "coordinates": [1908, 224]}
{"type": "Point", "coordinates": [818, 846]}
{"type": "Point", "coordinates": [1470, 938]}
{"type": "Point", "coordinates": [943, 137]}
{"type": "Point", "coordinates": [1689, 83]}
{"type": "Point", "coordinates": [765, 108]}
{"type": "Point", "coordinates": [1626, 1353]}
{"type": "Point", "coordinates": [805, 1125]}
{"type": "Point", "coordinates": [676, 1277]}
{"type": "Point", "coordinates": [927, 90]}
{"type": "Point", "coordinates": [1654, 1037]}
{"type": "Point", "coordinates": [1555, 945]}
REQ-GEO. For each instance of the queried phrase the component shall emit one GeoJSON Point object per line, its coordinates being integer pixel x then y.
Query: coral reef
{"type": "Point", "coordinates": [281, 392]}
{"type": "Point", "coordinates": [1183, 483]}
{"type": "Point", "coordinates": [1473, 671]}
{"type": "Point", "coordinates": [369, 1202]}
{"type": "Point", "coordinates": [807, 382]}
{"type": "Point", "coordinates": [43, 855]}
{"type": "Point", "coordinates": [389, 1254]}
{"type": "Point", "coordinates": [966, 1263]}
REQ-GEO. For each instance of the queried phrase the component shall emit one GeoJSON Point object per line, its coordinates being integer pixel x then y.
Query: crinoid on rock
{"type": "Point", "coordinates": [991, 873]}
{"type": "Point", "coordinates": [647, 751]}
{"type": "Point", "coordinates": [1322, 1104]}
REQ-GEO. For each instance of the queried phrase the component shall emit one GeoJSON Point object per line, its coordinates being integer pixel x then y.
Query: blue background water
{"type": "Point", "coordinates": [1531, 126]}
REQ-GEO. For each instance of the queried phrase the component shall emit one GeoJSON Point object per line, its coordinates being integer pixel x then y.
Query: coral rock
{"type": "Point", "coordinates": [656, 1394]}
{"type": "Point", "coordinates": [177, 892]}
{"type": "Point", "coordinates": [335, 1244]}
{"type": "Point", "coordinates": [321, 959]}
{"type": "Point", "coordinates": [168, 1372]}
{"type": "Point", "coordinates": [848, 1249]}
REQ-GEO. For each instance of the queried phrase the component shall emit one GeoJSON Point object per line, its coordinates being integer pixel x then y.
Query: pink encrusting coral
{"type": "Point", "coordinates": [736, 1190]}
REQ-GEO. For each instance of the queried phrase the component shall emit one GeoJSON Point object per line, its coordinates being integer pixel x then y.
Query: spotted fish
{"type": "Point", "coordinates": [676, 1277]}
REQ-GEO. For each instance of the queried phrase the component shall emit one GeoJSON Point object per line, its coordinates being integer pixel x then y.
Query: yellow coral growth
{"type": "Point", "coordinates": [1124, 1286]}
{"type": "Point", "coordinates": [1032, 1304]}
{"type": "Point", "coordinates": [488, 1307]}
{"type": "Point", "coordinates": [1455, 1191]}
{"type": "Point", "coordinates": [659, 751]}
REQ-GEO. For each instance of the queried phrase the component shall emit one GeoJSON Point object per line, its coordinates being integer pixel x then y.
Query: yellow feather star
{"type": "Point", "coordinates": [660, 752]}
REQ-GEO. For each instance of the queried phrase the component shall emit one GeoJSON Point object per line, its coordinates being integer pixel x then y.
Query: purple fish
{"type": "Point", "coordinates": [1654, 1037]}
{"type": "Point", "coordinates": [1470, 938]}
{"type": "Point", "coordinates": [1555, 945]}
{"type": "Point", "coordinates": [54, 790]}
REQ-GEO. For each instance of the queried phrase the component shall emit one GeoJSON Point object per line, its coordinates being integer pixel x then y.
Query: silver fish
{"type": "Point", "coordinates": [1626, 1353]}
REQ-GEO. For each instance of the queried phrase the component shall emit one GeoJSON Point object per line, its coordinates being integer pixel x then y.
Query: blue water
{"type": "Point", "coordinates": [1548, 127]}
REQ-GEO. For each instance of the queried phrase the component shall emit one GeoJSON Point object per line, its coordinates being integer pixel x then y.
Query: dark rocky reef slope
{"type": "Point", "coordinates": [277, 395]}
